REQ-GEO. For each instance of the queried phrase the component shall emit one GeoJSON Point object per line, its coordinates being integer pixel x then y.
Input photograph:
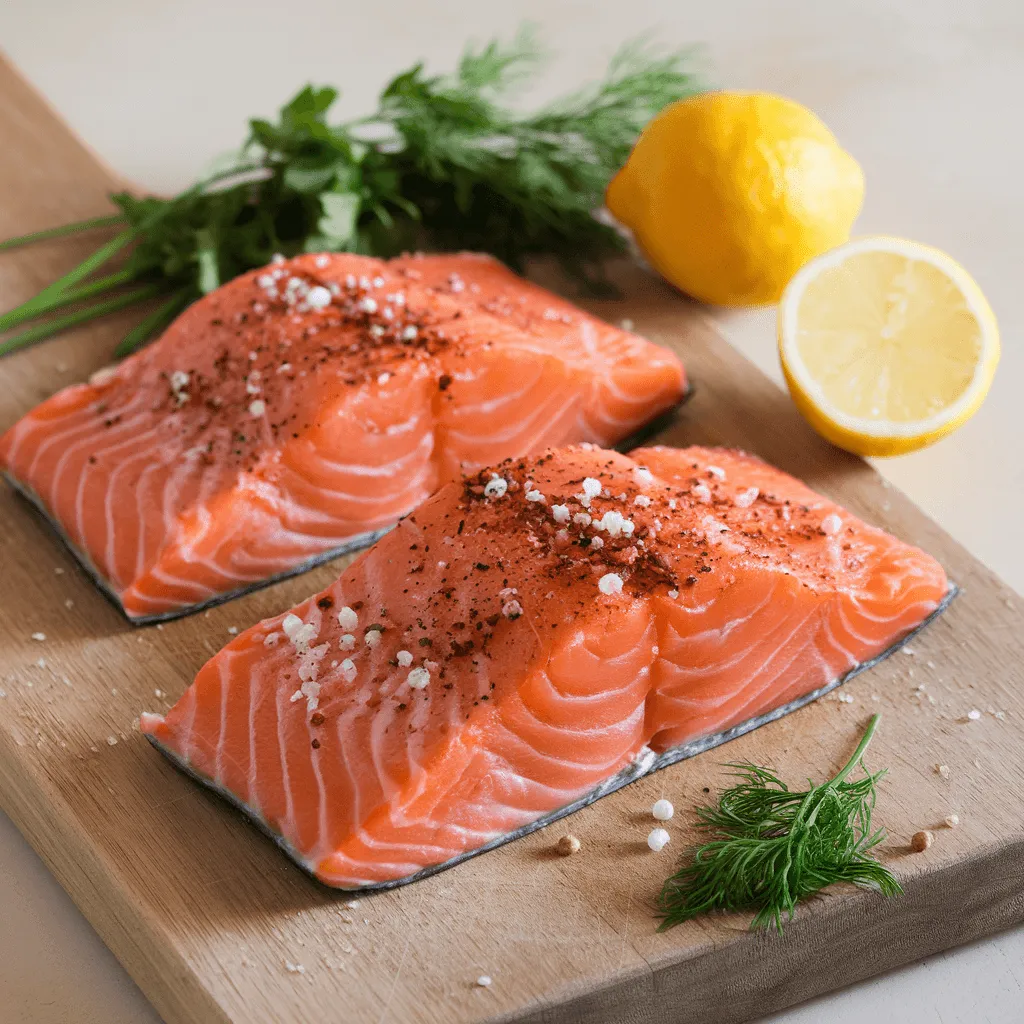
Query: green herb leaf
{"type": "Point", "coordinates": [769, 847]}
{"type": "Point", "coordinates": [338, 223]}
{"type": "Point", "coordinates": [442, 164]}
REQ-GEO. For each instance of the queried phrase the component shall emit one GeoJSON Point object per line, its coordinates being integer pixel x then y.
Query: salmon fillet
{"type": "Point", "coordinates": [299, 411]}
{"type": "Point", "coordinates": [532, 639]}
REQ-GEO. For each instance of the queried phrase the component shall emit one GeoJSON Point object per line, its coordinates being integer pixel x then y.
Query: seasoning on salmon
{"type": "Point", "coordinates": [299, 411]}
{"type": "Point", "coordinates": [535, 685]}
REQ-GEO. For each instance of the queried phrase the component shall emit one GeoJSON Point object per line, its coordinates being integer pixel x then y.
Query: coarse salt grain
{"type": "Point", "coordinates": [404, 658]}
{"type": "Point", "coordinates": [372, 637]}
{"type": "Point", "coordinates": [610, 583]}
{"type": "Point", "coordinates": [418, 678]}
{"type": "Point", "coordinates": [615, 523]}
{"type": "Point", "coordinates": [270, 639]}
{"type": "Point", "coordinates": [39, 636]}
{"type": "Point", "coordinates": [658, 839]}
{"type": "Point", "coordinates": [673, 594]}
{"type": "Point", "coordinates": [535, 495]}
{"type": "Point", "coordinates": [303, 635]}
{"type": "Point", "coordinates": [258, 407]}
{"type": "Point", "coordinates": [560, 513]}
{"type": "Point", "coordinates": [290, 624]}
{"type": "Point", "coordinates": [318, 297]}
{"type": "Point", "coordinates": [347, 618]}
{"type": "Point", "coordinates": [717, 472]}
{"type": "Point", "coordinates": [831, 525]}
{"type": "Point", "coordinates": [347, 642]}
{"type": "Point", "coordinates": [383, 378]}
{"type": "Point", "coordinates": [582, 519]}
{"type": "Point", "coordinates": [368, 305]}
{"type": "Point", "coordinates": [702, 493]}
{"type": "Point", "coordinates": [974, 714]}
{"type": "Point", "coordinates": [943, 770]}
{"type": "Point", "coordinates": [747, 498]}
{"type": "Point", "coordinates": [642, 500]}
{"type": "Point", "coordinates": [484, 980]}
{"type": "Point", "coordinates": [348, 669]}
{"type": "Point", "coordinates": [845, 698]}
{"type": "Point", "coordinates": [643, 476]}
{"type": "Point", "coordinates": [596, 543]}
{"type": "Point", "coordinates": [232, 630]}
{"type": "Point", "coordinates": [512, 609]}
{"type": "Point", "coordinates": [322, 261]}
{"type": "Point", "coordinates": [952, 820]}
{"type": "Point", "coordinates": [111, 741]}
{"type": "Point", "coordinates": [663, 810]}
{"type": "Point", "coordinates": [496, 487]}
{"type": "Point", "coordinates": [294, 968]}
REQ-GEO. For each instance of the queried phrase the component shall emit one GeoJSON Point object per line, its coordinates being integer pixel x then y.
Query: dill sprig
{"type": "Point", "coordinates": [444, 163]}
{"type": "Point", "coordinates": [769, 847]}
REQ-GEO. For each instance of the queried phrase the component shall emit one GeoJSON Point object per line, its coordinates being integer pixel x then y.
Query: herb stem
{"type": "Point", "coordinates": [42, 301]}
{"type": "Point", "coordinates": [859, 752]}
{"type": "Point", "coordinates": [63, 323]}
{"type": "Point", "coordinates": [85, 291]}
{"type": "Point", "coordinates": [65, 229]}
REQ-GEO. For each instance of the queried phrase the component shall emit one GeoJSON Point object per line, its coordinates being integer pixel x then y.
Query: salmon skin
{"type": "Point", "coordinates": [297, 412]}
{"type": "Point", "coordinates": [532, 639]}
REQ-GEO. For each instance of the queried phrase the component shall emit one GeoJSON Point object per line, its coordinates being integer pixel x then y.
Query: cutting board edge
{"type": "Point", "coordinates": [51, 827]}
{"type": "Point", "coordinates": [696, 981]}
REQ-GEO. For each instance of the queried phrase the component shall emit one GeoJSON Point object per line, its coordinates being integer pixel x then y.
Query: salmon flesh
{"type": "Point", "coordinates": [533, 638]}
{"type": "Point", "coordinates": [300, 410]}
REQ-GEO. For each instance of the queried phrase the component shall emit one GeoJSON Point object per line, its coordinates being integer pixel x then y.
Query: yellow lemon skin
{"type": "Point", "coordinates": [903, 320]}
{"type": "Point", "coordinates": [728, 194]}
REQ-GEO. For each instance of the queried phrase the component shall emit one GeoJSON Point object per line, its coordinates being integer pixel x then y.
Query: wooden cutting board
{"type": "Point", "coordinates": [207, 915]}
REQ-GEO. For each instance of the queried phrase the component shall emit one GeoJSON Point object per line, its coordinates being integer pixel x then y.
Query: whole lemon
{"type": "Point", "coordinates": [729, 194]}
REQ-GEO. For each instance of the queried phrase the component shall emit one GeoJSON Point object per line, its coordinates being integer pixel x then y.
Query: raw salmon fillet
{"type": "Point", "coordinates": [532, 639]}
{"type": "Point", "coordinates": [299, 411]}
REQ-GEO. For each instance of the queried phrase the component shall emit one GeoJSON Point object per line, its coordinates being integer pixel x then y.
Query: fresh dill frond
{"type": "Point", "coordinates": [769, 848]}
{"type": "Point", "coordinates": [445, 162]}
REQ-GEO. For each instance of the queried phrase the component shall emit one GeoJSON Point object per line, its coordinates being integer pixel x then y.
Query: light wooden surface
{"type": "Point", "coordinates": [206, 914]}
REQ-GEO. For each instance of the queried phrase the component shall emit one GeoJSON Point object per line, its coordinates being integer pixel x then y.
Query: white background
{"type": "Point", "coordinates": [925, 93]}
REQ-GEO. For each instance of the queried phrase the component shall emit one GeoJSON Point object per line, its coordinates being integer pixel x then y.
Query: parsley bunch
{"type": "Point", "coordinates": [444, 163]}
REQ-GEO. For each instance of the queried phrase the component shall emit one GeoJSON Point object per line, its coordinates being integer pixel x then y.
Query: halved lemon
{"type": "Point", "coordinates": [887, 345]}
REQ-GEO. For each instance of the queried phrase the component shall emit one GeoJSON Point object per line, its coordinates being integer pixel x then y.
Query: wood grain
{"type": "Point", "coordinates": [205, 913]}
